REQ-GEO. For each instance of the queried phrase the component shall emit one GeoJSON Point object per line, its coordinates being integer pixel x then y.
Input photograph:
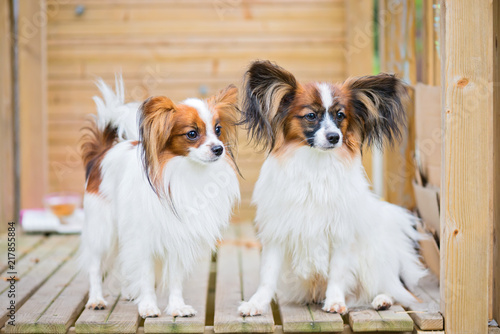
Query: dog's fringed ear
{"type": "Point", "coordinates": [269, 92]}
{"type": "Point", "coordinates": [156, 120]}
{"type": "Point", "coordinates": [226, 103]}
{"type": "Point", "coordinates": [378, 107]}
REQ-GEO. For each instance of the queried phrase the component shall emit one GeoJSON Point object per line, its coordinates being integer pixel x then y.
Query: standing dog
{"type": "Point", "coordinates": [326, 237]}
{"type": "Point", "coordinates": [157, 194]}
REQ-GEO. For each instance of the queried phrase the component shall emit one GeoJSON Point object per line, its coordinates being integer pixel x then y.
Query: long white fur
{"type": "Point", "coordinates": [129, 225]}
{"type": "Point", "coordinates": [112, 109]}
{"type": "Point", "coordinates": [327, 238]}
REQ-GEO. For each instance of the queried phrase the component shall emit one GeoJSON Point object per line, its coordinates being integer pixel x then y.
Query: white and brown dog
{"type": "Point", "coordinates": [157, 193]}
{"type": "Point", "coordinates": [326, 237]}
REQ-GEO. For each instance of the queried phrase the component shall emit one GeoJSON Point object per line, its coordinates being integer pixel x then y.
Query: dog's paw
{"type": "Point", "coordinates": [181, 310]}
{"type": "Point", "coordinates": [332, 306]}
{"type": "Point", "coordinates": [96, 304]}
{"type": "Point", "coordinates": [148, 310]}
{"type": "Point", "coordinates": [251, 309]}
{"type": "Point", "coordinates": [382, 302]}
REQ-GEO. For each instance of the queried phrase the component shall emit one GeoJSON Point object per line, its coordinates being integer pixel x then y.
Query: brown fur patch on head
{"type": "Point", "coordinates": [187, 119]}
{"type": "Point", "coordinates": [155, 128]}
{"type": "Point", "coordinates": [224, 107]}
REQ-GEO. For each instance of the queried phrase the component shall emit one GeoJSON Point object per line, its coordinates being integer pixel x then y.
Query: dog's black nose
{"type": "Point", "coordinates": [218, 149]}
{"type": "Point", "coordinates": [333, 137]}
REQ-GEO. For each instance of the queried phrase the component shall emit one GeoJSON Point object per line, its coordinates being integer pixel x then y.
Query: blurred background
{"type": "Point", "coordinates": [52, 52]}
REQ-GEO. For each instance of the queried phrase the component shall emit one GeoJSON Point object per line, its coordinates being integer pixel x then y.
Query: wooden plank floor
{"type": "Point", "coordinates": [51, 294]}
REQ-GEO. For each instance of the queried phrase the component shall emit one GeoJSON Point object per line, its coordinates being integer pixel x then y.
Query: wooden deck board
{"type": "Point", "coordinates": [24, 244]}
{"type": "Point", "coordinates": [121, 316]}
{"type": "Point", "coordinates": [366, 319]}
{"type": "Point", "coordinates": [51, 295]}
{"type": "Point", "coordinates": [57, 250]}
{"type": "Point", "coordinates": [426, 315]}
{"type": "Point", "coordinates": [195, 294]}
{"type": "Point", "coordinates": [42, 312]}
{"type": "Point", "coordinates": [63, 312]}
{"type": "Point", "coordinates": [234, 262]}
{"type": "Point", "coordinates": [309, 318]}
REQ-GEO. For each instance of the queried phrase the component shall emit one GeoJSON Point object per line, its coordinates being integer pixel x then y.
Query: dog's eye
{"type": "Point", "coordinates": [311, 116]}
{"type": "Point", "coordinates": [192, 135]}
{"type": "Point", "coordinates": [218, 130]}
{"type": "Point", "coordinates": [340, 116]}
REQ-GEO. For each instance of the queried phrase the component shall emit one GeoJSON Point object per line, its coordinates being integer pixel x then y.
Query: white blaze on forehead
{"type": "Point", "coordinates": [327, 124]}
{"type": "Point", "coordinates": [204, 113]}
{"type": "Point", "coordinates": [326, 95]}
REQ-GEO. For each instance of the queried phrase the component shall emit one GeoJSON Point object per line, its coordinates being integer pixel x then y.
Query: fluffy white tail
{"type": "Point", "coordinates": [112, 110]}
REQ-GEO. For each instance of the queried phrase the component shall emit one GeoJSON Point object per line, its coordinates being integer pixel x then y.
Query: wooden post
{"type": "Point", "coordinates": [33, 101]}
{"type": "Point", "coordinates": [495, 167]}
{"type": "Point", "coordinates": [397, 55]}
{"type": "Point", "coordinates": [469, 182]}
{"type": "Point", "coordinates": [359, 49]}
{"type": "Point", "coordinates": [7, 192]}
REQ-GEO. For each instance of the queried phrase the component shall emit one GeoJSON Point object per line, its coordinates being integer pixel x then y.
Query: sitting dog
{"type": "Point", "coordinates": [326, 237]}
{"type": "Point", "coordinates": [158, 193]}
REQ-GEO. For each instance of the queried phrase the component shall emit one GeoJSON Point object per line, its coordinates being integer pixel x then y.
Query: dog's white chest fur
{"type": "Point", "coordinates": [303, 201]}
{"type": "Point", "coordinates": [202, 195]}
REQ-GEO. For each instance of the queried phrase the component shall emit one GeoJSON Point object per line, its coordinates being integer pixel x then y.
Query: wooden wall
{"type": "Point", "coordinates": [396, 20]}
{"type": "Point", "coordinates": [180, 49]}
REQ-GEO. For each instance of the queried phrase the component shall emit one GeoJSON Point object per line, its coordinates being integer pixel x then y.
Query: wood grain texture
{"type": "Point", "coordinates": [366, 319]}
{"type": "Point", "coordinates": [33, 102]}
{"type": "Point", "coordinates": [431, 62]}
{"type": "Point", "coordinates": [195, 294]}
{"type": "Point", "coordinates": [7, 187]}
{"type": "Point", "coordinates": [52, 308]}
{"type": "Point", "coordinates": [426, 315]}
{"type": "Point", "coordinates": [24, 245]}
{"type": "Point", "coordinates": [397, 55]}
{"type": "Point", "coordinates": [237, 269]}
{"type": "Point", "coordinates": [51, 258]}
{"type": "Point", "coordinates": [466, 173]}
{"type": "Point", "coordinates": [495, 167]}
{"type": "Point", "coordinates": [309, 318]}
{"type": "Point", "coordinates": [121, 316]}
{"type": "Point", "coordinates": [359, 49]}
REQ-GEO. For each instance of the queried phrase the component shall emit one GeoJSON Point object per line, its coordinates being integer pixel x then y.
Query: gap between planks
{"type": "Point", "coordinates": [35, 269]}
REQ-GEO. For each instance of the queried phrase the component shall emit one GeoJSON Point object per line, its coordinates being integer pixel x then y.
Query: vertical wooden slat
{"type": "Point", "coordinates": [359, 49]}
{"type": "Point", "coordinates": [6, 120]}
{"type": "Point", "coordinates": [33, 101]}
{"type": "Point", "coordinates": [397, 55]}
{"type": "Point", "coordinates": [495, 167]}
{"type": "Point", "coordinates": [466, 188]}
{"type": "Point", "coordinates": [431, 58]}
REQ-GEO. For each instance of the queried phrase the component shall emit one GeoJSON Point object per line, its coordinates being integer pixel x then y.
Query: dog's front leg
{"type": "Point", "coordinates": [176, 305]}
{"type": "Point", "coordinates": [270, 267]}
{"type": "Point", "coordinates": [340, 280]}
{"type": "Point", "coordinates": [147, 299]}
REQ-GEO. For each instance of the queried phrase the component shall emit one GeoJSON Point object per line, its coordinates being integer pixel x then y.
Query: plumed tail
{"type": "Point", "coordinates": [113, 111]}
{"type": "Point", "coordinates": [94, 144]}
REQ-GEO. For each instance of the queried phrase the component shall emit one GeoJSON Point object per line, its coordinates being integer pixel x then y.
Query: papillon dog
{"type": "Point", "coordinates": [325, 236]}
{"type": "Point", "coordinates": [158, 192]}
